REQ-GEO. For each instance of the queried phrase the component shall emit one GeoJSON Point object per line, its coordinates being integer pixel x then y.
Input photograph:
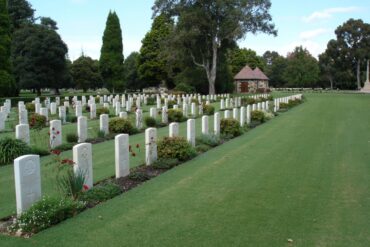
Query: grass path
{"type": "Point", "coordinates": [304, 176]}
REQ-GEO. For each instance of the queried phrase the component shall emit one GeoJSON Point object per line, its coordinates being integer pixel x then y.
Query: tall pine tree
{"type": "Point", "coordinates": [111, 57]}
{"type": "Point", "coordinates": [7, 83]}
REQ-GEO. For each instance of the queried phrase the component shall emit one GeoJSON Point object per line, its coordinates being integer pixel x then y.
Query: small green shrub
{"type": "Point", "coordinates": [295, 102]}
{"type": "Point", "coordinates": [101, 134]}
{"type": "Point", "coordinates": [249, 101]}
{"type": "Point", "coordinates": [11, 149]}
{"type": "Point", "coordinates": [175, 115]}
{"type": "Point", "coordinates": [150, 121]}
{"type": "Point", "coordinates": [100, 193]}
{"type": "Point", "coordinates": [72, 138]}
{"type": "Point", "coordinates": [120, 125]}
{"type": "Point", "coordinates": [39, 151]}
{"type": "Point", "coordinates": [47, 212]}
{"type": "Point", "coordinates": [208, 110]}
{"type": "Point", "coordinates": [230, 127]}
{"type": "Point", "coordinates": [165, 163]}
{"type": "Point", "coordinates": [139, 176]}
{"type": "Point", "coordinates": [65, 146]}
{"type": "Point", "coordinates": [71, 119]}
{"type": "Point", "coordinates": [171, 103]}
{"type": "Point", "coordinates": [258, 116]}
{"type": "Point", "coordinates": [202, 148]}
{"type": "Point", "coordinates": [151, 101]}
{"type": "Point", "coordinates": [175, 148]}
{"type": "Point", "coordinates": [270, 98]}
{"type": "Point", "coordinates": [101, 111]}
{"type": "Point", "coordinates": [182, 87]}
{"type": "Point", "coordinates": [37, 121]}
{"type": "Point", "coordinates": [209, 140]}
{"type": "Point", "coordinates": [30, 107]}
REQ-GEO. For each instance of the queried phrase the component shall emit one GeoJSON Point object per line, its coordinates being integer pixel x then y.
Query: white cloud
{"type": "Point", "coordinates": [307, 35]}
{"type": "Point", "coordinates": [328, 13]}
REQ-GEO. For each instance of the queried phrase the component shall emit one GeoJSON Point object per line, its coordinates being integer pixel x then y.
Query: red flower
{"type": "Point", "coordinates": [58, 132]}
{"type": "Point", "coordinates": [85, 187]}
{"type": "Point", "coordinates": [67, 161]}
{"type": "Point", "coordinates": [56, 152]}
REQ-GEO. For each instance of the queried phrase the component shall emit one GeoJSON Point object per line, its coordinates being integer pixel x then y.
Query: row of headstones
{"type": "Point", "coordinates": [22, 130]}
{"type": "Point", "coordinates": [106, 100]}
{"type": "Point", "coordinates": [286, 100]}
{"type": "Point", "coordinates": [27, 168]}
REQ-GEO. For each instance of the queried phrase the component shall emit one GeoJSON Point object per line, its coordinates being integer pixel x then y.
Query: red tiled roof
{"type": "Point", "coordinates": [248, 74]}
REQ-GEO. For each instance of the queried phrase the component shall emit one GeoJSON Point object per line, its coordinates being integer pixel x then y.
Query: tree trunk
{"type": "Point", "coordinates": [358, 74]}
{"type": "Point", "coordinates": [212, 72]}
{"type": "Point", "coordinates": [331, 82]}
{"type": "Point", "coordinates": [38, 92]}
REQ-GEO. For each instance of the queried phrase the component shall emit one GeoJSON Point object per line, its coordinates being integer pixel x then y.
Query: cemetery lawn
{"type": "Point", "coordinates": [303, 176]}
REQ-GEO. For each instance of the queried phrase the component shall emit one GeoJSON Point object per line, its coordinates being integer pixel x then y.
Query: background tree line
{"type": "Point", "coordinates": [191, 47]}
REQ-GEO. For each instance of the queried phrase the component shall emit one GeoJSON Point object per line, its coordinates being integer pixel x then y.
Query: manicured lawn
{"type": "Point", "coordinates": [303, 176]}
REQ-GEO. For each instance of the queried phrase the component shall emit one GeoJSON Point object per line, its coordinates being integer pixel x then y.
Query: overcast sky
{"type": "Point", "coordinates": [308, 23]}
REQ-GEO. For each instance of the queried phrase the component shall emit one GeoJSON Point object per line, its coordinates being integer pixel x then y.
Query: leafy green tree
{"type": "Point", "coordinates": [7, 84]}
{"type": "Point", "coordinates": [204, 26]}
{"type": "Point", "coordinates": [336, 67]}
{"type": "Point", "coordinates": [21, 13]}
{"type": "Point", "coordinates": [111, 57]}
{"type": "Point", "coordinates": [131, 74]}
{"type": "Point", "coordinates": [85, 73]}
{"type": "Point", "coordinates": [39, 58]}
{"type": "Point", "coordinates": [152, 66]}
{"type": "Point", "coordinates": [354, 42]}
{"type": "Point", "coordinates": [239, 57]}
{"type": "Point", "coordinates": [302, 69]}
{"type": "Point", "coordinates": [275, 67]}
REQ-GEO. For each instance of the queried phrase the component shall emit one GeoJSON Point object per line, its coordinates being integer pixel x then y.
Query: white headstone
{"type": "Point", "coordinates": [122, 155]}
{"type": "Point", "coordinates": [55, 133]}
{"type": "Point", "coordinates": [23, 117]}
{"type": "Point", "coordinates": [190, 131]}
{"type": "Point", "coordinates": [104, 123]}
{"type": "Point", "coordinates": [236, 114]}
{"type": "Point", "coordinates": [242, 116]}
{"type": "Point", "coordinates": [82, 129]}
{"type": "Point", "coordinates": [27, 179]}
{"type": "Point", "coordinates": [44, 112]}
{"type": "Point", "coordinates": [174, 129]}
{"type": "Point", "coordinates": [62, 113]}
{"type": "Point", "coordinates": [82, 158]}
{"type": "Point", "coordinates": [22, 132]}
{"type": "Point", "coordinates": [153, 112]}
{"type": "Point", "coordinates": [2, 120]}
{"type": "Point", "coordinates": [78, 110]}
{"type": "Point", "coordinates": [92, 111]}
{"type": "Point", "coordinates": [227, 114]}
{"type": "Point", "coordinates": [139, 118]}
{"type": "Point", "coordinates": [150, 146]}
{"type": "Point", "coordinates": [53, 108]}
{"type": "Point", "coordinates": [205, 128]}
{"type": "Point", "coordinates": [123, 114]}
{"type": "Point", "coordinates": [164, 115]}
{"type": "Point", "coordinates": [217, 123]}
{"type": "Point", "coordinates": [193, 109]}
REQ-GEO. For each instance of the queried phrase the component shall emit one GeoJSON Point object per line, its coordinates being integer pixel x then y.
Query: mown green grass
{"type": "Point", "coordinates": [303, 176]}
